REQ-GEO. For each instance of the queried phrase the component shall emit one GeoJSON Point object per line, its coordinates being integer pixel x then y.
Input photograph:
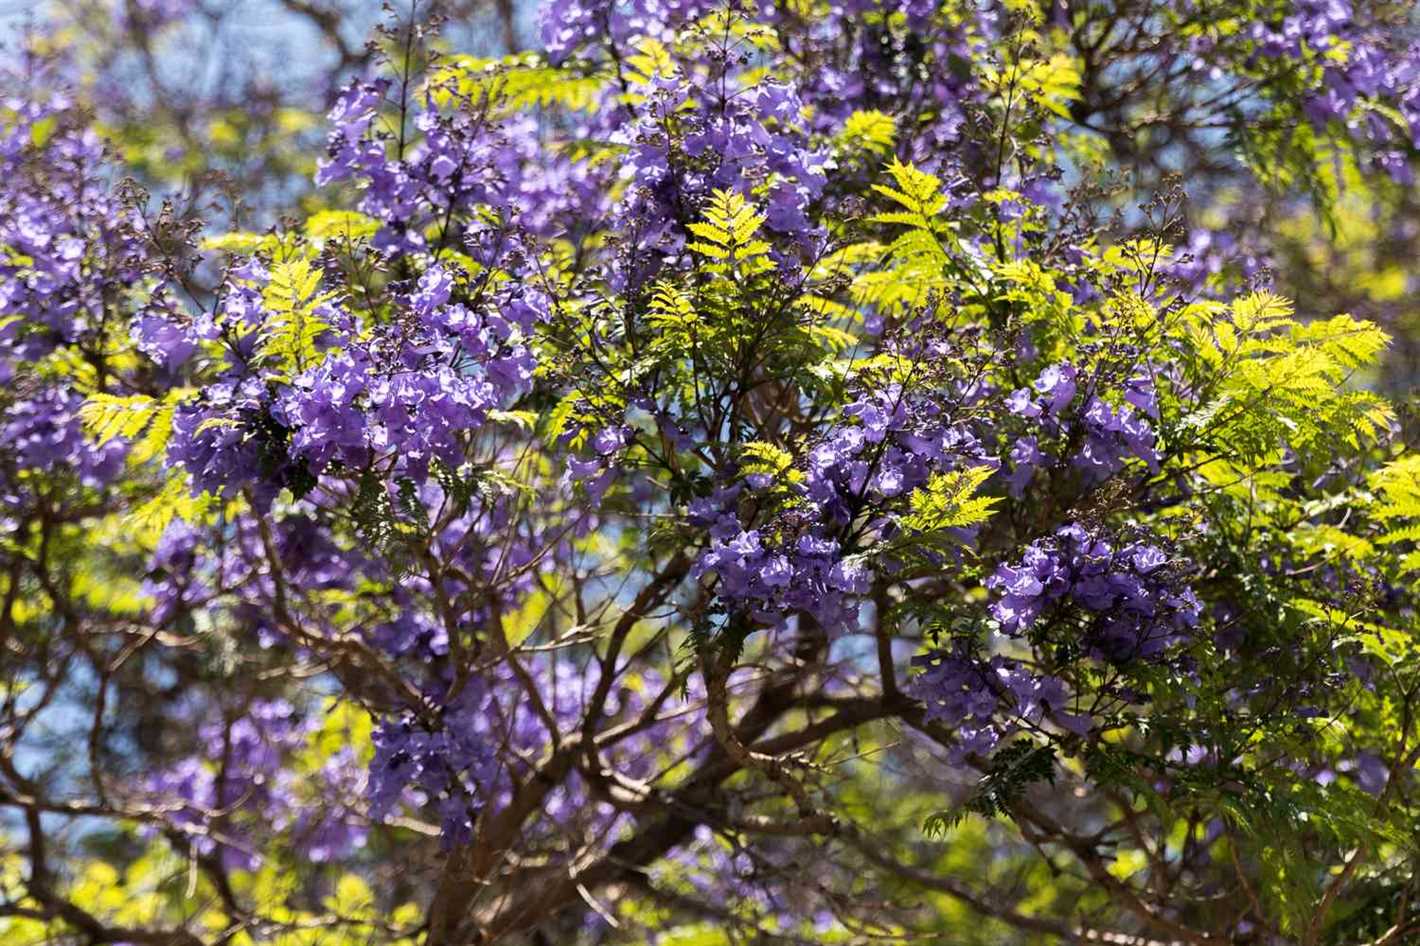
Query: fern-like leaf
{"type": "Point", "coordinates": [106, 416]}
{"type": "Point", "coordinates": [292, 328]}
{"type": "Point", "coordinates": [949, 501]}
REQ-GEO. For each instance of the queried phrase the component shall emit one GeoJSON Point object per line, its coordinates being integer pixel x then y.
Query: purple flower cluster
{"type": "Point", "coordinates": [1135, 607]}
{"type": "Point", "coordinates": [402, 394]}
{"type": "Point", "coordinates": [43, 433]}
{"type": "Point", "coordinates": [224, 439]}
{"type": "Point", "coordinates": [1135, 603]}
{"type": "Point", "coordinates": [452, 764]}
{"type": "Point", "coordinates": [1209, 254]}
{"type": "Point", "coordinates": [810, 575]}
{"type": "Point", "coordinates": [1114, 435]}
{"type": "Point", "coordinates": [227, 572]}
{"type": "Point", "coordinates": [462, 758]}
{"type": "Point", "coordinates": [890, 444]}
{"type": "Point", "coordinates": [985, 700]}
{"type": "Point", "coordinates": [414, 392]}
{"type": "Point", "coordinates": [456, 159]}
{"type": "Point", "coordinates": [450, 166]}
{"type": "Point", "coordinates": [243, 778]}
{"type": "Point", "coordinates": [1356, 63]}
{"type": "Point", "coordinates": [72, 249]}
{"type": "Point", "coordinates": [71, 243]}
{"type": "Point", "coordinates": [925, 69]}
{"type": "Point", "coordinates": [1105, 437]}
{"type": "Point", "coordinates": [894, 441]}
{"type": "Point", "coordinates": [684, 145]}
{"type": "Point", "coordinates": [569, 25]}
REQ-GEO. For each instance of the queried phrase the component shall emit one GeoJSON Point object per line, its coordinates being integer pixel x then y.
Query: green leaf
{"type": "Point", "coordinates": [728, 234]}
{"type": "Point", "coordinates": [144, 420]}
{"type": "Point", "coordinates": [292, 329]}
{"type": "Point", "coordinates": [516, 83]}
{"type": "Point", "coordinates": [766, 459]}
{"type": "Point", "coordinates": [106, 416]}
{"type": "Point", "coordinates": [918, 191]}
{"type": "Point", "coordinates": [869, 130]}
{"type": "Point", "coordinates": [948, 501]}
{"type": "Point", "coordinates": [341, 225]}
{"type": "Point", "coordinates": [174, 500]}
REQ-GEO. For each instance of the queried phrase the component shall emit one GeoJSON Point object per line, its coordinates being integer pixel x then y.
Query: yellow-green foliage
{"type": "Point", "coordinates": [949, 501]}
{"type": "Point", "coordinates": [671, 310]}
{"type": "Point", "coordinates": [1272, 380]}
{"type": "Point", "coordinates": [292, 328]}
{"type": "Point", "coordinates": [916, 263]}
{"type": "Point", "coordinates": [869, 130]}
{"type": "Point", "coordinates": [343, 225]}
{"type": "Point", "coordinates": [516, 83]}
{"type": "Point", "coordinates": [1397, 505]}
{"type": "Point", "coordinates": [1049, 83]}
{"type": "Point", "coordinates": [146, 421]}
{"type": "Point", "coordinates": [149, 518]}
{"type": "Point", "coordinates": [727, 236]}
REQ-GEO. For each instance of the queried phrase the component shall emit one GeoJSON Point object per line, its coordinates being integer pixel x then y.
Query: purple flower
{"type": "Point", "coordinates": [1135, 608]}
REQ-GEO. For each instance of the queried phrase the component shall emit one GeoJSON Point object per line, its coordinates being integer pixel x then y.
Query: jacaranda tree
{"type": "Point", "coordinates": [788, 472]}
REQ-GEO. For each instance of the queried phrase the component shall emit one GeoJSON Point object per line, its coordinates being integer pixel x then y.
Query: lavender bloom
{"type": "Point", "coordinates": [1135, 608]}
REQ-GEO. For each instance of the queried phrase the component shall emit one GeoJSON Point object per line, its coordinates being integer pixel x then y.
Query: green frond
{"type": "Point", "coordinates": [949, 501]}
{"type": "Point", "coordinates": [517, 83]}
{"type": "Point", "coordinates": [106, 416]}
{"type": "Point", "coordinates": [292, 328]}
{"type": "Point", "coordinates": [834, 339]}
{"type": "Point", "coordinates": [759, 457]}
{"type": "Point", "coordinates": [1403, 534]}
{"type": "Point", "coordinates": [727, 235]}
{"type": "Point", "coordinates": [1351, 343]}
{"type": "Point", "coordinates": [891, 289]}
{"type": "Point", "coordinates": [1260, 312]}
{"type": "Point", "coordinates": [827, 308]}
{"type": "Point", "coordinates": [145, 421]}
{"type": "Point", "coordinates": [1049, 83]}
{"type": "Point", "coordinates": [650, 60]}
{"type": "Point", "coordinates": [174, 500]}
{"type": "Point", "coordinates": [1329, 542]}
{"type": "Point", "coordinates": [869, 130]}
{"type": "Point", "coordinates": [524, 420]}
{"type": "Point", "coordinates": [730, 220]}
{"type": "Point", "coordinates": [242, 243]}
{"type": "Point", "coordinates": [1398, 484]}
{"type": "Point", "coordinates": [563, 414]}
{"type": "Point", "coordinates": [155, 439]}
{"type": "Point", "coordinates": [345, 225]}
{"type": "Point", "coordinates": [1279, 382]}
{"type": "Point", "coordinates": [917, 191]}
{"type": "Point", "coordinates": [670, 306]}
